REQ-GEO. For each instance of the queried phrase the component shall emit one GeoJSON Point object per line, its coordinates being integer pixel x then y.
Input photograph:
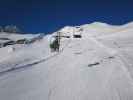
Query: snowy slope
{"type": "Point", "coordinates": [97, 66]}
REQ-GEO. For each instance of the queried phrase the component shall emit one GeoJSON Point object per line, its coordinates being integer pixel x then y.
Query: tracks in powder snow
{"type": "Point", "coordinates": [124, 65]}
{"type": "Point", "coordinates": [118, 55]}
{"type": "Point", "coordinates": [107, 49]}
{"type": "Point", "coordinates": [35, 62]}
{"type": "Point", "coordinates": [28, 65]}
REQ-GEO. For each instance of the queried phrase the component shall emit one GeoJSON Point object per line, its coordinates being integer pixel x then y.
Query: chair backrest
{"type": "Point", "coordinates": [77, 36]}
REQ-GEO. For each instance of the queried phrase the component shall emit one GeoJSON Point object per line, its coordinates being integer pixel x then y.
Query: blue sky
{"type": "Point", "coordinates": [50, 15]}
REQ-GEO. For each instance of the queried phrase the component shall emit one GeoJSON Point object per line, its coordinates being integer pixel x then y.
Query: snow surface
{"type": "Point", "coordinates": [97, 66]}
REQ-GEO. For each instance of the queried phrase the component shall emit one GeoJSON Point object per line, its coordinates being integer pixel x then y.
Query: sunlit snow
{"type": "Point", "coordinates": [97, 66]}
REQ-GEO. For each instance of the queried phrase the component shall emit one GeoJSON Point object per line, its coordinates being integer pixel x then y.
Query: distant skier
{"type": "Point", "coordinates": [55, 44]}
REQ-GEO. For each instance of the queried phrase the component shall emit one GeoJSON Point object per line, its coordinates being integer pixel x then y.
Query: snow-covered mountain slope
{"type": "Point", "coordinates": [97, 66]}
{"type": "Point", "coordinates": [15, 36]}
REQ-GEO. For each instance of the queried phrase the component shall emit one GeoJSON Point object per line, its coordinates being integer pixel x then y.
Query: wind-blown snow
{"type": "Point", "coordinates": [97, 66]}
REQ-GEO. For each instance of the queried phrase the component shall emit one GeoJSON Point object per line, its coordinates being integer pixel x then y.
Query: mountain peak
{"type": "Point", "coordinates": [99, 24]}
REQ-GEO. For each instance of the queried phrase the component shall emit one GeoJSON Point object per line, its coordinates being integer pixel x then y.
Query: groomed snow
{"type": "Point", "coordinates": [97, 66]}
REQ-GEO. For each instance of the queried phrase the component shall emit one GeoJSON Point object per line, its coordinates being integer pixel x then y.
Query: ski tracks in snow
{"type": "Point", "coordinates": [123, 64]}
{"type": "Point", "coordinates": [31, 64]}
